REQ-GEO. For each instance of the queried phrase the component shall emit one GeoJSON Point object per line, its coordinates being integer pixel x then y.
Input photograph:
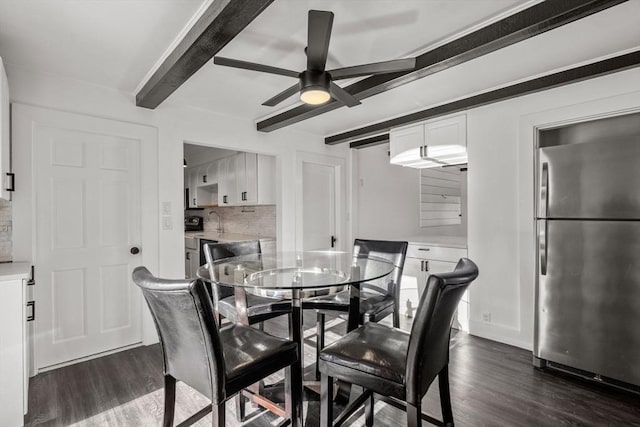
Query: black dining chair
{"type": "Point", "coordinates": [378, 298]}
{"type": "Point", "coordinates": [216, 362]}
{"type": "Point", "coordinates": [259, 308]}
{"type": "Point", "coordinates": [394, 364]}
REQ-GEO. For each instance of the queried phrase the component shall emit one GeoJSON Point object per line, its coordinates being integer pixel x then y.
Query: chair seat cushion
{"type": "Point", "coordinates": [372, 349]}
{"type": "Point", "coordinates": [257, 307]}
{"type": "Point", "coordinates": [249, 352]}
{"type": "Point", "coordinates": [370, 302]}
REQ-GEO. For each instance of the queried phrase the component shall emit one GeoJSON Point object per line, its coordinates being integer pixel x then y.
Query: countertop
{"type": "Point", "coordinates": [225, 237]}
{"type": "Point", "coordinates": [447, 241]}
{"type": "Point", "coordinates": [14, 270]}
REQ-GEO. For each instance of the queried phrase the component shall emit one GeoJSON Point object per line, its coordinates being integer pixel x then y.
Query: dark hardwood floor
{"type": "Point", "coordinates": [492, 384]}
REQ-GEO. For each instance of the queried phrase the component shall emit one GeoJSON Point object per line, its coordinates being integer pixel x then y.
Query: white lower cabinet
{"type": "Point", "coordinates": [423, 260]}
{"type": "Point", "coordinates": [14, 372]}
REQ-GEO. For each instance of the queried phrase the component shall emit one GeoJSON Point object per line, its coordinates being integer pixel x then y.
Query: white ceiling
{"type": "Point", "coordinates": [115, 43]}
{"type": "Point", "coordinates": [112, 43]}
{"type": "Point", "coordinates": [364, 31]}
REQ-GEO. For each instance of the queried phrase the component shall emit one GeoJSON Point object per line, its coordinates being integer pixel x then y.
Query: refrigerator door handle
{"type": "Point", "coordinates": [544, 191]}
{"type": "Point", "coordinates": [542, 249]}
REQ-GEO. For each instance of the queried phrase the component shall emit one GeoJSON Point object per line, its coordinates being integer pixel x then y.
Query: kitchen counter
{"type": "Point", "coordinates": [224, 237]}
{"type": "Point", "coordinates": [14, 270]}
{"type": "Point", "coordinates": [446, 241]}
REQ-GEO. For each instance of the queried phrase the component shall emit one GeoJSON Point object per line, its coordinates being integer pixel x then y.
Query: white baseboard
{"type": "Point", "coordinates": [499, 333]}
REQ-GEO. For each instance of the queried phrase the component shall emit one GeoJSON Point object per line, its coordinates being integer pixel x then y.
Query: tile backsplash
{"type": "Point", "coordinates": [5, 231]}
{"type": "Point", "coordinates": [258, 220]}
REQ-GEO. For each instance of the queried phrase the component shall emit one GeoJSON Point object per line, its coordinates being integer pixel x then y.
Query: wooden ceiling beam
{"type": "Point", "coordinates": [370, 142]}
{"type": "Point", "coordinates": [561, 78]}
{"type": "Point", "coordinates": [218, 25]}
{"type": "Point", "coordinates": [525, 24]}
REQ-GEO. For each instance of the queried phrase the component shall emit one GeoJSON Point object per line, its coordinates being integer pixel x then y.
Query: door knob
{"type": "Point", "coordinates": [135, 250]}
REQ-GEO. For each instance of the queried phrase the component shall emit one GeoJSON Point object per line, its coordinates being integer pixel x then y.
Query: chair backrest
{"type": "Point", "coordinates": [191, 346]}
{"type": "Point", "coordinates": [217, 251]}
{"type": "Point", "coordinates": [394, 252]}
{"type": "Point", "coordinates": [428, 350]}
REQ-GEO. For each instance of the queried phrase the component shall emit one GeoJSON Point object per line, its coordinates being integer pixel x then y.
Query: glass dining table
{"type": "Point", "coordinates": [296, 276]}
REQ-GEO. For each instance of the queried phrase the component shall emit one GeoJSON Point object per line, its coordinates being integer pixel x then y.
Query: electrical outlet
{"type": "Point", "coordinates": [166, 208]}
{"type": "Point", "coordinates": [486, 316]}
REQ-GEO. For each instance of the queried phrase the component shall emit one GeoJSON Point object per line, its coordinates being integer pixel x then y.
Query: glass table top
{"type": "Point", "coordinates": [296, 270]}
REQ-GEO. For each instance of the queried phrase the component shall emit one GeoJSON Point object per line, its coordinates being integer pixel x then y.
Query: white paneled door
{"type": "Point", "coordinates": [320, 202]}
{"type": "Point", "coordinates": [319, 206]}
{"type": "Point", "coordinates": [88, 224]}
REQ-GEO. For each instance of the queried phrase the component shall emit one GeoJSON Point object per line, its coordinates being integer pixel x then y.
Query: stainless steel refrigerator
{"type": "Point", "coordinates": [588, 249]}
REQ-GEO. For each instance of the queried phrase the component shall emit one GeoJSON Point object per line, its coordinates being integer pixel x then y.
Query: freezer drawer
{"type": "Point", "coordinates": [588, 302]}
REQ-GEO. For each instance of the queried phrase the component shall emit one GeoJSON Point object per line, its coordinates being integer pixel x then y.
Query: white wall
{"type": "Point", "coordinates": [501, 237]}
{"type": "Point", "coordinates": [175, 125]}
{"type": "Point", "coordinates": [388, 199]}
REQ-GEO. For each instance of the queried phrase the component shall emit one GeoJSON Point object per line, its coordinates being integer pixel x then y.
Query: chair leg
{"type": "Point", "coordinates": [414, 415]}
{"type": "Point", "coordinates": [169, 400]}
{"type": "Point", "coordinates": [218, 415]}
{"type": "Point", "coordinates": [368, 411]}
{"type": "Point", "coordinates": [319, 341]}
{"type": "Point", "coordinates": [326, 401]}
{"type": "Point", "coordinates": [396, 316]}
{"type": "Point", "coordinates": [294, 393]}
{"type": "Point", "coordinates": [240, 407]}
{"type": "Point", "coordinates": [445, 397]}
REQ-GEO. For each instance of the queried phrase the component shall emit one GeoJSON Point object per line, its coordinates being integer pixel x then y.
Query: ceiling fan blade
{"type": "Point", "coordinates": [227, 62]}
{"type": "Point", "coordinates": [318, 36]}
{"type": "Point", "coordinates": [374, 68]}
{"type": "Point", "coordinates": [282, 95]}
{"type": "Point", "coordinates": [342, 95]}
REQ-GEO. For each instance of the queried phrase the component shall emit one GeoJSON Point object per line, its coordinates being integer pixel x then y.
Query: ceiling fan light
{"type": "Point", "coordinates": [314, 96]}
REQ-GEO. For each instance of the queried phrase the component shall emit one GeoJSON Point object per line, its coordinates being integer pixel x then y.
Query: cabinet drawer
{"type": "Point", "coordinates": [441, 253]}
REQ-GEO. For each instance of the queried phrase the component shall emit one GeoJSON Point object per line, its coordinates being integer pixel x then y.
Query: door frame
{"type": "Point", "coordinates": [24, 117]}
{"type": "Point", "coordinates": [339, 166]}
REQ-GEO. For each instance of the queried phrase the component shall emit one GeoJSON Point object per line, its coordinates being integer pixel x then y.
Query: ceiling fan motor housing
{"type": "Point", "coordinates": [314, 80]}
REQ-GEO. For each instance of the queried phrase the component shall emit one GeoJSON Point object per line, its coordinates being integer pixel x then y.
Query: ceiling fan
{"type": "Point", "coordinates": [315, 84]}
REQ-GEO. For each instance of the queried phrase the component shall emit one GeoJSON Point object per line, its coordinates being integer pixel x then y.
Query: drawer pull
{"type": "Point", "coordinates": [424, 249]}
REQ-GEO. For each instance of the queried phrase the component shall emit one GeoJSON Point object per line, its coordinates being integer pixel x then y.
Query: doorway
{"type": "Point", "coordinates": [319, 203]}
{"type": "Point", "coordinates": [84, 205]}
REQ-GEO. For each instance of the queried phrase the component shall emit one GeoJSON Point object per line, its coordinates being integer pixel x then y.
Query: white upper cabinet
{"type": "Point", "coordinates": [226, 181]}
{"type": "Point", "coordinates": [246, 179]}
{"type": "Point", "coordinates": [431, 144]}
{"type": "Point", "coordinates": [6, 181]}
{"type": "Point", "coordinates": [405, 145]}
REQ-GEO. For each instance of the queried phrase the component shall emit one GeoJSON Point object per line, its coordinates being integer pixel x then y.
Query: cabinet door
{"type": "Point", "coordinates": [191, 263]}
{"type": "Point", "coordinates": [451, 131]}
{"type": "Point", "coordinates": [212, 174]}
{"type": "Point", "coordinates": [11, 353]}
{"type": "Point", "coordinates": [405, 144]}
{"type": "Point", "coordinates": [5, 137]}
{"type": "Point", "coordinates": [411, 277]}
{"type": "Point", "coordinates": [226, 181]}
{"type": "Point", "coordinates": [250, 178]}
{"type": "Point", "coordinates": [222, 183]}
{"type": "Point", "coordinates": [241, 177]}
{"type": "Point", "coordinates": [193, 178]}
{"type": "Point", "coordinates": [232, 183]}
